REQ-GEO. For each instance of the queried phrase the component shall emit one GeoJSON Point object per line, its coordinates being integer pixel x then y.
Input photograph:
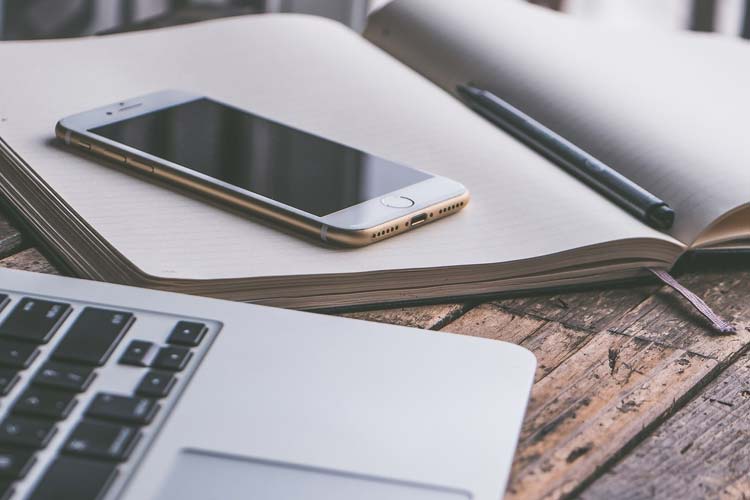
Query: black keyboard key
{"type": "Point", "coordinates": [93, 336]}
{"type": "Point", "coordinates": [34, 320]}
{"type": "Point", "coordinates": [97, 439]}
{"type": "Point", "coordinates": [69, 477]}
{"type": "Point", "coordinates": [17, 354]}
{"type": "Point", "coordinates": [15, 463]}
{"type": "Point", "coordinates": [64, 376]}
{"type": "Point", "coordinates": [8, 379]}
{"type": "Point", "coordinates": [26, 432]}
{"type": "Point", "coordinates": [156, 384]}
{"type": "Point", "coordinates": [138, 353]}
{"type": "Point", "coordinates": [45, 403]}
{"type": "Point", "coordinates": [128, 409]}
{"type": "Point", "coordinates": [187, 333]}
{"type": "Point", "coordinates": [172, 358]}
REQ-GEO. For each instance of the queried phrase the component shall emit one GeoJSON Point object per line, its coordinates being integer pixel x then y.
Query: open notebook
{"type": "Point", "coordinates": [666, 111]}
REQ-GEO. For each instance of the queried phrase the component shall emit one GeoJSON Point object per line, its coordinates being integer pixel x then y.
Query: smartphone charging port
{"type": "Point", "coordinates": [417, 220]}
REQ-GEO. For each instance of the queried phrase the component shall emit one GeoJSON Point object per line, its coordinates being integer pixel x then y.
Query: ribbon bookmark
{"type": "Point", "coordinates": [717, 323]}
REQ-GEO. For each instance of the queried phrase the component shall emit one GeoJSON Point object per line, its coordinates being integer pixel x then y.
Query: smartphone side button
{"type": "Point", "coordinates": [111, 155]}
{"type": "Point", "coordinates": [139, 165]}
{"type": "Point", "coordinates": [81, 144]}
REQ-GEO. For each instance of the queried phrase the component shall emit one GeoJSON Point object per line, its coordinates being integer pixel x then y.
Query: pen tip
{"type": "Point", "coordinates": [661, 217]}
{"type": "Point", "coordinates": [467, 90]}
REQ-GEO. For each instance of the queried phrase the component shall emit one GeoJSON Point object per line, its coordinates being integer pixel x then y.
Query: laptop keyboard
{"type": "Point", "coordinates": [83, 391]}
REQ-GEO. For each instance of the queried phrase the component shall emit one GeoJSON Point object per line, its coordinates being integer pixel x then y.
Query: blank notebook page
{"type": "Point", "coordinates": [318, 76]}
{"type": "Point", "coordinates": [668, 110]}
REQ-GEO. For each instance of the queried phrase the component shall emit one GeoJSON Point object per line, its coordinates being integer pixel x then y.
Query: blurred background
{"type": "Point", "coordinates": [29, 19]}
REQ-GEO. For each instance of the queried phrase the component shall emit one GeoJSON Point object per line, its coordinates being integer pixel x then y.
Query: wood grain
{"type": "Point", "coordinates": [592, 405]}
{"type": "Point", "coordinates": [29, 260]}
{"type": "Point", "coordinates": [11, 240]}
{"type": "Point", "coordinates": [702, 452]}
{"type": "Point", "coordinates": [612, 365]}
{"type": "Point", "coordinates": [666, 318]}
{"type": "Point", "coordinates": [589, 310]}
{"type": "Point", "coordinates": [431, 317]}
{"type": "Point", "coordinates": [550, 342]}
{"type": "Point", "coordinates": [607, 396]}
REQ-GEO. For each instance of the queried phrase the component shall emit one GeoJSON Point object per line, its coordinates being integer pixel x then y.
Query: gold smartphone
{"type": "Point", "coordinates": [310, 184]}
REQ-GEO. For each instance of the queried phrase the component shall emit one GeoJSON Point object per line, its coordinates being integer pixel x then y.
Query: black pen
{"type": "Point", "coordinates": [621, 190]}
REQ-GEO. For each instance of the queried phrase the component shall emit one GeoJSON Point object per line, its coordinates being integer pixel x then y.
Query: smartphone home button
{"type": "Point", "coordinates": [397, 201]}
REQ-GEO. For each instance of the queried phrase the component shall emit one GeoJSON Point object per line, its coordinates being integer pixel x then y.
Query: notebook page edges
{"type": "Point", "coordinates": [318, 76]}
{"type": "Point", "coordinates": [731, 230]}
{"type": "Point", "coordinates": [666, 110]}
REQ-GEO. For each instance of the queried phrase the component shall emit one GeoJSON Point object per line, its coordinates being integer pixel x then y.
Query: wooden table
{"type": "Point", "coordinates": [634, 396]}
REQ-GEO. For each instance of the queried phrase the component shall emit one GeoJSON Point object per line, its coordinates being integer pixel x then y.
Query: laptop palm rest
{"type": "Point", "coordinates": [199, 475]}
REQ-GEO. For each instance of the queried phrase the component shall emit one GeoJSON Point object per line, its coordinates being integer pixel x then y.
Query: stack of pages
{"type": "Point", "coordinates": [667, 111]}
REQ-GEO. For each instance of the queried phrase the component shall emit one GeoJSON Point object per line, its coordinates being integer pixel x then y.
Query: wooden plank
{"type": "Point", "coordinates": [612, 365]}
{"type": "Point", "coordinates": [553, 326]}
{"type": "Point", "coordinates": [587, 409]}
{"type": "Point", "coordinates": [588, 310]}
{"type": "Point", "coordinates": [667, 318]}
{"type": "Point", "coordinates": [606, 396]}
{"type": "Point", "coordinates": [551, 342]}
{"type": "Point", "coordinates": [11, 240]}
{"type": "Point", "coordinates": [430, 317]}
{"type": "Point", "coordinates": [29, 260]}
{"type": "Point", "coordinates": [701, 452]}
{"type": "Point", "coordinates": [493, 322]}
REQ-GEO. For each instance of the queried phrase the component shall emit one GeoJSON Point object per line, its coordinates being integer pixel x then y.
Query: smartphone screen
{"type": "Point", "coordinates": [292, 167]}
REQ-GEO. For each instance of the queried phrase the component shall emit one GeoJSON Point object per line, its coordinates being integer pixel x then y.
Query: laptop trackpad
{"type": "Point", "coordinates": [199, 475]}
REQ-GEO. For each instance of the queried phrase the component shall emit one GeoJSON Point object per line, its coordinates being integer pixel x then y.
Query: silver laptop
{"type": "Point", "coordinates": [117, 392]}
